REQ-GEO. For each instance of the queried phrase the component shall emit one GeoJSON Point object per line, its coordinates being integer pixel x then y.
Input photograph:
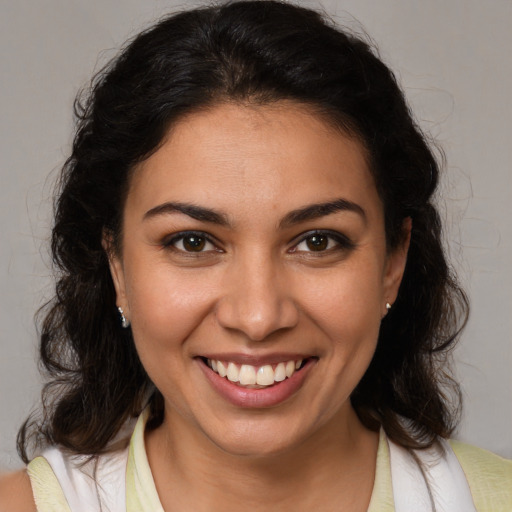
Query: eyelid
{"type": "Point", "coordinates": [343, 241]}
{"type": "Point", "coordinates": [169, 241]}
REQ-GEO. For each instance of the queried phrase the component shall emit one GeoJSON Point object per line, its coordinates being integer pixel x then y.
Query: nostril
{"type": "Point", "coordinates": [256, 309]}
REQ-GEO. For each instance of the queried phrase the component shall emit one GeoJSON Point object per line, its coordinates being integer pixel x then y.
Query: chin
{"type": "Point", "coordinates": [259, 439]}
{"type": "Point", "coordinates": [260, 448]}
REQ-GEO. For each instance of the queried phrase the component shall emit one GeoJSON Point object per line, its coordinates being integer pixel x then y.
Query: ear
{"type": "Point", "coordinates": [395, 266]}
{"type": "Point", "coordinates": [116, 270]}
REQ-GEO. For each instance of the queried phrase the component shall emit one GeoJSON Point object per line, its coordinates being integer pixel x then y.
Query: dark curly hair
{"type": "Point", "coordinates": [255, 52]}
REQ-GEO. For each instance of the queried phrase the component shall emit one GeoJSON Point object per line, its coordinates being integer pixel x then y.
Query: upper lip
{"type": "Point", "coordinates": [256, 360]}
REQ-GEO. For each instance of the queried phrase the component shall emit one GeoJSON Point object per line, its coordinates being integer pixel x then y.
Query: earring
{"type": "Point", "coordinates": [124, 322]}
{"type": "Point", "coordinates": [388, 306]}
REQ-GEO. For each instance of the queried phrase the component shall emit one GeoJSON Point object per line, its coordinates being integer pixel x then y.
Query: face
{"type": "Point", "coordinates": [255, 274]}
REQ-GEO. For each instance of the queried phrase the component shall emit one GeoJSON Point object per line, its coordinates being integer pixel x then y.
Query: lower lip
{"type": "Point", "coordinates": [256, 398]}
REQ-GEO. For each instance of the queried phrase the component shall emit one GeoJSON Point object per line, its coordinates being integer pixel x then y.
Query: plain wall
{"type": "Point", "coordinates": [453, 59]}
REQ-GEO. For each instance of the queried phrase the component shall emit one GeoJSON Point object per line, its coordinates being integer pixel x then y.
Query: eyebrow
{"type": "Point", "coordinates": [310, 212]}
{"type": "Point", "coordinates": [195, 212]}
{"type": "Point", "coordinates": [316, 211]}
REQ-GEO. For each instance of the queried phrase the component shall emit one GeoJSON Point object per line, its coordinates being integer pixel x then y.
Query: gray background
{"type": "Point", "coordinates": [452, 57]}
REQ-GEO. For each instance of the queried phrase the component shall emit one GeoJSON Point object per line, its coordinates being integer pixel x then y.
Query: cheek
{"type": "Point", "coordinates": [347, 308]}
{"type": "Point", "coordinates": [349, 299]}
{"type": "Point", "coordinates": [166, 307]}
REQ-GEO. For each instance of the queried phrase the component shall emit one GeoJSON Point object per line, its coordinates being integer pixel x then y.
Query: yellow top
{"type": "Point", "coordinates": [489, 477]}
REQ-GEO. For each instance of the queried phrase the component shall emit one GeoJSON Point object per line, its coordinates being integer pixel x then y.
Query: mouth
{"type": "Point", "coordinates": [256, 383]}
{"type": "Point", "coordinates": [255, 377]}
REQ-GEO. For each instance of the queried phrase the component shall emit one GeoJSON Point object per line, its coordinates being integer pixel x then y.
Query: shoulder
{"type": "Point", "coordinates": [487, 465]}
{"type": "Point", "coordinates": [16, 493]}
{"type": "Point", "coordinates": [489, 476]}
{"type": "Point", "coordinates": [65, 481]}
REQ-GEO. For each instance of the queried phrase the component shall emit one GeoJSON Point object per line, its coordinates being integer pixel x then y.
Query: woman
{"type": "Point", "coordinates": [249, 262]}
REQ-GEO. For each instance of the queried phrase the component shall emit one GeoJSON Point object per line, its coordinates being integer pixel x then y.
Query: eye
{"type": "Point", "coordinates": [191, 242]}
{"type": "Point", "coordinates": [322, 241]}
{"type": "Point", "coordinates": [316, 242]}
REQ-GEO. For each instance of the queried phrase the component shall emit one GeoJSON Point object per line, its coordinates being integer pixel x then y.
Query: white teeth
{"type": "Point", "coordinates": [280, 373]}
{"type": "Point", "coordinates": [221, 369]}
{"type": "Point", "coordinates": [233, 372]}
{"type": "Point", "coordinates": [265, 375]}
{"type": "Point", "coordinates": [249, 375]}
{"type": "Point", "coordinates": [290, 368]}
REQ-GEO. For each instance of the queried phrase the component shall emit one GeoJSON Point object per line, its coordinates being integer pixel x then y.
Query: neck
{"type": "Point", "coordinates": [335, 465]}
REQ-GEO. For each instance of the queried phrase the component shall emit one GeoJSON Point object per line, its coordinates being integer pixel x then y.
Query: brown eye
{"type": "Point", "coordinates": [326, 241]}
{"type": "Point", "coordinates": [191, 242]}
{"type": "Point", "coordinates": [194, 243]}
{"type": "Point", "coordinates": [317, 242]}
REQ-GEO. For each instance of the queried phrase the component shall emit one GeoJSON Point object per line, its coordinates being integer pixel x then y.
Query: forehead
{"type": "Point", "coordinates": [274, 156]}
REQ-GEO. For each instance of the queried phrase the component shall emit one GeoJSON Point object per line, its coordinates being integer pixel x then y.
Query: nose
{"type": "Point", "coordinates": [257, 299]}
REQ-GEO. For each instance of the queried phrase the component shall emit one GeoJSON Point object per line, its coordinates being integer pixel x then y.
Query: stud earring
{"type": "Point", "coordinates": [124, 322]}
{"type": "Point", "coordinates": [388, 306]}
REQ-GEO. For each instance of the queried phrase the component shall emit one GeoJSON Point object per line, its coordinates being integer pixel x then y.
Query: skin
{"type": "Point", "coordinates": [16, 493]}
{"type": "Point", "coordinates": [256, 289]}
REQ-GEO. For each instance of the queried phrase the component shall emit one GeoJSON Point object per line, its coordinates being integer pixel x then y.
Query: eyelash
{"type": "Point", "coordinates": [335, 242]}
{"type": "Point", "coordinates": [180, 237]}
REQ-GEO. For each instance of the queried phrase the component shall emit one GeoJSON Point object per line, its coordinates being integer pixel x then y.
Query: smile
{"type": "Point", "coordinates": [256, 377]}
{"type": "Point", "coordinates": [256, 382]}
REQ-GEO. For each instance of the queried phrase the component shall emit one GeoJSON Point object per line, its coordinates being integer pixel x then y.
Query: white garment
{"type": "Point", "coordinates": [429, 480]}
{"type": "Point", "coordinates": [97, 484]}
